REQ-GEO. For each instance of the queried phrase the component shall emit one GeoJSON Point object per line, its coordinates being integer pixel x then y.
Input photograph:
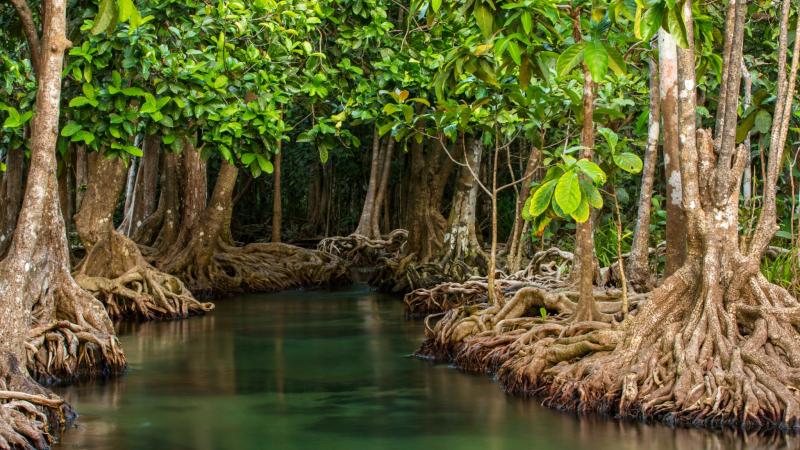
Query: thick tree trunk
{"type": "Point", "coordinates": [676, 217]}
{"type": "Point", "coordinates": [143, 202]}
{"type": "Point", "coordinates": [211, 263]}
{"type": "Point", "coordinates": [69, 333]}
{"type": "Point", "coordinates": [11, 192]}
{"type": "Point", "coordinates": [638, 267]}
{"type": "Point", "coordinates": [461, 253]}
{"type": "Point", "coordinates": [277, 197]}
{"type": "Point", "coordinates": [160, 229]}
{"type": "Point", "coordinates": [428, 177]}
{"type": "Point", "coordinates": [114, 268]}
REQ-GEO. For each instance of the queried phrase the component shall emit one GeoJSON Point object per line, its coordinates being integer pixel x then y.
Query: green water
{"type": "Point", "coordinates": [324, 371]}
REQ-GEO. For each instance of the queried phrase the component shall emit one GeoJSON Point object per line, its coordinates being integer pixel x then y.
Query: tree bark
{"type": "Point", "coordinates": [369, 211]}
{"type": "Point", "coordinates": [514, 258]}
{"type": "Point", "coordinates": [69, 333]}
{"type": "Point", "coordinates": [145, 187]}
{"type": "Point", "coordinates": [461, 253]}
{"type": "Point", "coordinates": [639, 261]}
{"type": "Point", "coordinates": [12, 193]}
{"type": "Point", "coordinates": [676, 217]}
{"type": "Point", "coordinates": [381, 202]}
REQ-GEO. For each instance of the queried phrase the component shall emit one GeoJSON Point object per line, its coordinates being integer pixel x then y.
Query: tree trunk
{"type": "Point", "coordinates": [12, 192]}
{"type": "Point", "coordinates": [145, 187]}
{"type": "Point", "coordinates": [514, 257]}
{"type": "Point", "coordinates": [428, 177]}
{"type": "Point", "coordinates": [369, 211]}
{"type": "Point", "coordinates": [114, 269]}
{"type": "Point", "coordinates": [461, 253]}
{"type": "Point", "coordinates": [277, 207]}
{"type": "Point", "coordinates": [584, 237]}
{"type": "Point", "coordinates": [380, 198]}
{"type": "Point", "coordinates": [676, 217]}
{"type": "Point", "coordinates": [210, 262]}
{"type": "Point", "coordinates": [69, 333]}
{"type": "Point", "coordinates": [638, 269]}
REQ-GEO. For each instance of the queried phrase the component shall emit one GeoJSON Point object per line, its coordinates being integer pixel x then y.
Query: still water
{"type": "Point", "coordinates": [326, 371]}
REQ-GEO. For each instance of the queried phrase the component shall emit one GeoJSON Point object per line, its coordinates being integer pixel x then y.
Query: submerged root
{"type": "Point", "coordinates": [259, 268]}
{"type": "Point", "coordinates": [361, 251]}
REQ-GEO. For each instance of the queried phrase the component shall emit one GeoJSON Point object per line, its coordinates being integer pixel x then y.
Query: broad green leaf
{"type": "Point", "coordinates": [126, 9]}
{"type": "Point", "coordinates": [616, 62]}
{"type": "Point", "coordinates": [515, 52]}
{"type": "Point", "coordinates": [581, 213]}
{"type": "Point", "coordinates": [592, 194]}
{"type": "Point", "coordinates": [104, 20]}
{"type": "Point", "coordinates": [527, 22]}
{"type": "Point", "coordinates": [264, 164]}
{"type": "Point", "coordinates": [596, 59]}
{"type": "Point", "coordinates": [70, 129]}
{"type": "Point", "coordinates": [540, 200]}
{"type": "Point", "coordinates": [569, 59]}
{"type": "Point", "coordinates": [436, 4]}
{"type": "Point", "coordinates": [568, 192]}
{"type": "Point", "coordinates": [628, 162]}
{"type": "Point", "coordinates": [651, 21]}
{"type": "Point", "coordinates": [593, 171]}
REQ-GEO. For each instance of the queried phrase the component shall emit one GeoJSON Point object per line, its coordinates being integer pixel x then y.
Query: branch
{"type": "Point", "coordinates": [29, 27]}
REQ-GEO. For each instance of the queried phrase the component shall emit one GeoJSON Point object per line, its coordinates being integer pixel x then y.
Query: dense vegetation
{"type": "Point", "coordinates": [594, 200]}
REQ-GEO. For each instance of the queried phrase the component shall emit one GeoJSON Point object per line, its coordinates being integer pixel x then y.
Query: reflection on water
{"type": "Point", "coordinates": [326, 370]}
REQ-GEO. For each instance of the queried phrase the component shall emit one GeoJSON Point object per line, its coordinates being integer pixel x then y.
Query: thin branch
{"type": "Point", "coordinates": [29, 27]}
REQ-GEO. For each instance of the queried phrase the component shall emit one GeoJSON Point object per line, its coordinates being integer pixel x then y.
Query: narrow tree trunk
{"type": "Point", "coordinates": [144, 200]}
{"type": "Point", "coordinates": [381, 202]}
{"type": "Point", "coordinates": [676, 217]}
{"type": "Point", "coordinates": [12, 192]}
{"type": "Point", "coordinates": [639, 261]}
{"type": "Point", "coordinates": [81, 174]}
{"type": "Point", "coordinates": [584, 237]}
{"type": "Point", "coordinates": [369, 211]}
{"type": "Point", "coordinates": [514, 259]}
{"type": "Point", "coordinates": [277, 207]}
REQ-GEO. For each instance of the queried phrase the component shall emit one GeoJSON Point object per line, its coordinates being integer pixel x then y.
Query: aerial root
{"type": "Point", "coordinates": [145, 293]}
{"type": "Point", "coordinates": [361, 251]}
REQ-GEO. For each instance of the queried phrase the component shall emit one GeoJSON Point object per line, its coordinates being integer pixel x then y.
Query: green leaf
{"type": "Point", "coordinates": [592, 194]}
{"type": "Point", "coordinates": [515, 52]}
{"type": "Point", "coordinates": [616, 62]}
{"type": "Point", "coordinates": [264, 164]}
{"type": "Point", "coordinates": [650, 22]}
{"type": "Point", "coordinates": [104, 20]}
{"type": "Point", "coordinates": [569, 59]}
{"type": "Point", "coordinates": [126, 9]}
{"type": "Point", "coordinates": [581, 213]}
{"type": "Point", "coordinates": [593, 171]}
{"type": "Point", "coordinates": [628, 162]}
{"type": "Point", "coordinates": [436, 4]}
{"type": "Point", "coordinates": [596, 59]}
{"type": "Point", "coordinates": [763, 121]}
{"type": "Point", "coordinates": [527, 22]}
{"type": "Point", "coordinates": [248, 158]}
{"type": "Point", "coordinates": [540, 200]}
{"type": "Point", "coordinates": [568, 192]}
{"type": "Point", "coordinates": [485, 19]}
{"type": "Point", "coordinates": [70, 129]}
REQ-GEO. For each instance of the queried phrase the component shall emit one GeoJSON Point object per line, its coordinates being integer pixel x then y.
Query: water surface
{"type": "Point", "coordinates": [326, 371]}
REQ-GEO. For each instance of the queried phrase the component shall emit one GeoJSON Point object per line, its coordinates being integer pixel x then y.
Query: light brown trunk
{"type": "Point", "coordinates": [369, 211]}
{"type": "Point", "coordinates": [514, 258]}
{"type": "Point", "coordinates": [381, 202]}
{"type": "Point", "coordinates": [676, 217]}
{"type": "Point", "coordinates": [144, 200]}
{"type": "Point", "coordinates": [638, 269]}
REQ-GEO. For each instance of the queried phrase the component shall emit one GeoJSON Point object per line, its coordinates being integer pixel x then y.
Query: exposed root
{"type": "Point", "coordinates": [74, 340]}
{"type": "Point", "coordinates": [361, 251]}
{"type": "Point", "coordinates": [115, 272]}
{"type": "Point", "coordinates": [261, 267]}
